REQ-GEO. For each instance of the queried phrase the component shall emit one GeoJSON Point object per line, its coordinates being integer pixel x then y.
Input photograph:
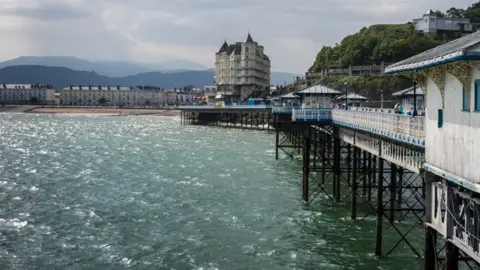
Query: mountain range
{"type": "Point", "coordinates": [62, 71]}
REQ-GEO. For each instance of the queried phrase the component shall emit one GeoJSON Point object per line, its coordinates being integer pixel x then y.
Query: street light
{"type": "Point", "coordinates": [381, 98]}
{"type": "Point", "coordinates": [346, 97]}
{"type": "Point", "coordinates": [415, 99]}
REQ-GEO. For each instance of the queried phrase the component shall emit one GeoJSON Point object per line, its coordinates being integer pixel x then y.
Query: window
{"type": "Point", "coordinates": [477, 95]}
{"type": "Point", "coordinates": [465, 104]}
{"type": "Point", "coordinates": [440, 118]}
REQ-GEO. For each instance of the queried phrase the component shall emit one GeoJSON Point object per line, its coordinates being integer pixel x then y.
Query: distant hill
{"type": "Point", "coordinates": [168, 72]}
{"type": "Point", "coordinates": [61, 77]}
{"type": "Point", "coordinates": [107, 68]}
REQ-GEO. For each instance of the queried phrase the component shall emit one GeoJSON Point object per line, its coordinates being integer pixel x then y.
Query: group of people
{"type": "Point", "coordinates": [399, 110]}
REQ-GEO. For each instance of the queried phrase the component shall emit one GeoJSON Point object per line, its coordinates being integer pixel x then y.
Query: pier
{"type": "Point", "coordinates": [411, 171]}
{"type": "Point", "coordinates": [255, 117]}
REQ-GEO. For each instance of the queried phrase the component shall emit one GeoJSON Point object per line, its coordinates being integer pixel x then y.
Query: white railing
{"type": "Point", "coordinates": [283, 110]}
{"type": "Point", "coordinates": [398, 126]}
{"type": "Point", "coordinates": [383, 110]}
{"type": "Point", "coordinates": [259, 106]}
{"type": "Point", "coordinates": [237, 106]}
{"type": "Point", "coordinates": [312, 115]}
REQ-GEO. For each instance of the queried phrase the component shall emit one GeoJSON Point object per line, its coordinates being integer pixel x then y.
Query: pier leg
{"type": "Point", "coordinates": [354, 183]}
{"type": "Point", "coordinates": [349, 164]}
{"type": "Point", "coordinates": [451, 251]}
{"type": "Point", "coordinates": [365, 170]}
{"type": "Point", "coordinates": [451, 256]}
{"type": "Point", "coordinates": [277, 137]}
{"type": "Point", "coordinates": [370, 175]}
{"type": "Point", "coordinates": [314, 134]}
{"type": "Point", "coordinates": [393, 183]}
{"type": "Point", "coordinates": [430, 252]}
{"type": "Point", "coordinates": [336, 165]}
{"type": "Point", "coordinates": [399, 186]}
{"type": "Point", "coordinates": [306, 167]}
{"type": "Point", "coordinates": [378, 242]}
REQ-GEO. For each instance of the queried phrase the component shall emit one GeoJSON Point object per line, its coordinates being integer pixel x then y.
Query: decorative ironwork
{"type": "Point", "coordinates": [463, 72]}
{"type": "Point", "coordinates": [438, 77]}
{"type": "Point", "coordinates": [418, 76]}
{"type": "Point", "coordinates": [474, 64]}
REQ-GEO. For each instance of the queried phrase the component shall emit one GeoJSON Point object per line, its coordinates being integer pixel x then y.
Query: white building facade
{"type": "Point", "coordinates": [430, 23]}
{"type": "Point", "coordinates": [241, 68]}
{"type": "Point", "coordinates": [112, 96]}
{"type": "Point", "coordinates": [35, 94]}
{"type": "Point", "coordinates": [450, 79]}
{"type": "Point", "coordinates": [318, 97]}
{"type": "Point", "coordinates": [449, 76]}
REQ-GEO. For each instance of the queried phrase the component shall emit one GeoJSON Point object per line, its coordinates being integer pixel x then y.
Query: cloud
{"type": "Point", "coordinates": [43, 11]}
{"type": "Point", "coordinates": [159, 30]}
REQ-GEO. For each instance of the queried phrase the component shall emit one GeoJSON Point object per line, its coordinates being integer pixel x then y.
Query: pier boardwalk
{"type": "Point", "coordinates": [411, 170]}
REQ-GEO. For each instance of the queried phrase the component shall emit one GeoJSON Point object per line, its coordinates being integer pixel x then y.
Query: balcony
{"type": "Point", "coordinates": [384, 122]}
{"type": "Point", "coordinates": [312, 115]}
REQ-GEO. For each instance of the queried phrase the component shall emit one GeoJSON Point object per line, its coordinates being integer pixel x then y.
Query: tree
{"type": "Point", "coordinates": [439, 14]}
{"type": "Point", "coordinates": [455, 13]}
{"type": "Point", "coordinates": [473, 13]}
{"type": "Point", "coordinates": [102, 101]}
{"type": "Point", "coordinates": [34, 100]}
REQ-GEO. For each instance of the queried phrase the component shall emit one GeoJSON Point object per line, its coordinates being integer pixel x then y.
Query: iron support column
{"type": "Point", "coordinates": [378, 242]}
{"type": "Point", "coordinates": [354, 183]}
{"type": "Point", "coordinates": [306, 165]}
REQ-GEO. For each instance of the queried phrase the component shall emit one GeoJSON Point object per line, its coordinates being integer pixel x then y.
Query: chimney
{"type": "Point", "coordinates": [118, 87]}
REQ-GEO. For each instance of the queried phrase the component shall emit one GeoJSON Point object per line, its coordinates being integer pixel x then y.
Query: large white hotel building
{"type": "Point", "coordinates": [240, 69]}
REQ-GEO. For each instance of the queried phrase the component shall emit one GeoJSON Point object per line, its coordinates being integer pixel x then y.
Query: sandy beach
{"type": "Point", "coordinates": [104, 111]}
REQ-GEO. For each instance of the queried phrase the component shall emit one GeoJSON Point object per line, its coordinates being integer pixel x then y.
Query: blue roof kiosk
{"type": "Point", "coordinates": [285, 104]}
{"type": "Point", "coordinates": [316, 105]}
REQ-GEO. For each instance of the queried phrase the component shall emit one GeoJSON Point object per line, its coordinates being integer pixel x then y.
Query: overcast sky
{"type": "Point", "coordinates": [158, 30]}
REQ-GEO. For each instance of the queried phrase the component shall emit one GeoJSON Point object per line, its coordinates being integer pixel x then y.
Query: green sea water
{"type": "Point", "coordinates": [80, 192]}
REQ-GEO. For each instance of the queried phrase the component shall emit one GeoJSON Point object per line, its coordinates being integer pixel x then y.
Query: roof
{"type": "Point", "coordinates": [319, 90]}
{"type": "Point", "coordinates": [25, 86]}
{"type": "Point", "coordinates": [249, 38]}
{"type": "Point", "coordinates": [430, 12]}
{"type": "Point", "coordinates": [352, 96]}
{"type": "Point", "coordinates": [111, 87]}
{"type": "Point", "coordinates": [289, 96]}
{"type": "Point", "coordinates": [409, 91]}
{"type": "Point", "coordinates": [224, 47]}
{"type": "Point", "coordinates": [459, 49]}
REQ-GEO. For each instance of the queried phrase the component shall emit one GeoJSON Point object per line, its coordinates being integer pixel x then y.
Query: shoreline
{"type": "Point", "coordinates": [103, 111]}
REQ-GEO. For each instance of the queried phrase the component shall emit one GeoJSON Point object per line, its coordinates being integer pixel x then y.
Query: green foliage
{"type": "Point", "coordinates": [102, 101]}
{"type": "Point", "coordinates": [377, 43]}
{"type": "Point", "coordinates": [368, 86]}
{"type": "Point", "coordinates": [34, 101]}
{"type": "Point", "coordinates": [387, 42]}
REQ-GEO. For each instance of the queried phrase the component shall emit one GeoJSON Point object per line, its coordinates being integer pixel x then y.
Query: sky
{"type": "Point", "coordinates": [153, 31]}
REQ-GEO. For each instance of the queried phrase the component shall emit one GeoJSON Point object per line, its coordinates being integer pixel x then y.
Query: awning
{"type": "Point", "coordinates": [218, 96]}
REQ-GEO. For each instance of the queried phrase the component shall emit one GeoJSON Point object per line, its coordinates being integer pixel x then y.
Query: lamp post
{"type": "Point", "coordinates": [381, 99]}
{"type": "Point", "coordinates": [346, 96]}
{"type": "Point", "coordinates": [415, 99]}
